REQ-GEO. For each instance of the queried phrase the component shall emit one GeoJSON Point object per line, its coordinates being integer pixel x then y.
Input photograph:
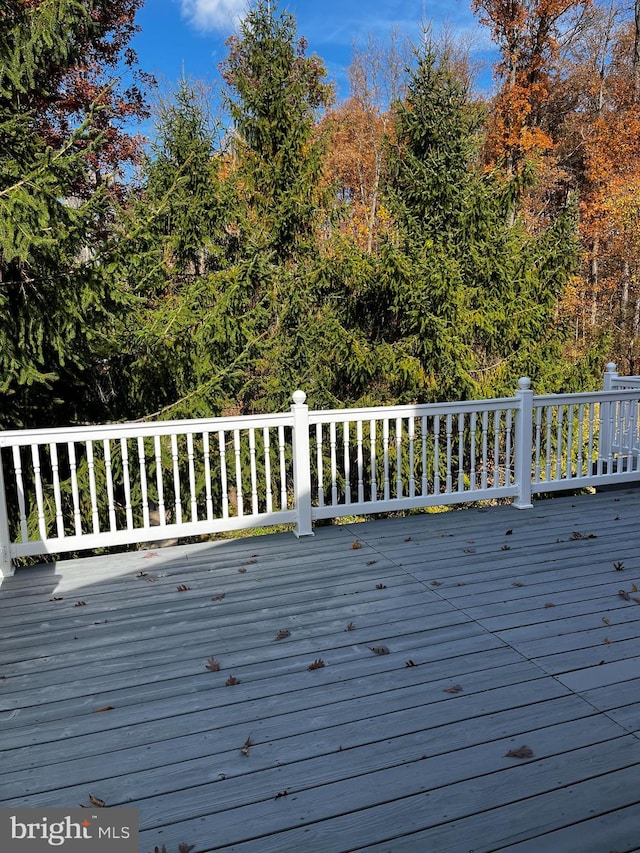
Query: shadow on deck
{"type": "Point", "coordinates": [498, 630]}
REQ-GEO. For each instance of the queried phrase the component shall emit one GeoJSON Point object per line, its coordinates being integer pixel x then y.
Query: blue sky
{"type": "Point", "coordinates": [189, 35]}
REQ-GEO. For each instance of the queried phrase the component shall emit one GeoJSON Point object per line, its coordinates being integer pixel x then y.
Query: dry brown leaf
{"type": "Point", "coordinates": [601, 662]}
{"type": "Point", "coordinates": [508, 533]}
{"type": "Point", "coordinates": [284, 793]}
{"type": "Point", "coordinates": [619, 566]}
{"type": "Point", "coordinates": [371, 562]}
{"type": "Point", "coordinates": [162, 849]}
{"type": "Point", "coordinates": [217, 597]}
{"type": "Point", "coordinates": [350, 627]}
{"type": "Point", "coordinates": [379, 650]}
{"type": "Point", "coordinates": [381, 586]}
{"type": "Point", "coordinates": [185, 848]}
{"type": "Point", "coordinates": [104, 708]}
{"type": "Point", "coordinates": [410, 663]}
{"type": "Point", "coordinates": [96, 801]}
{"type": "Point", "coordinates": [549, 604]}
{"type": "Point", "coordinates": [435, 583]}
{"type": "Point", "coordinates": [317, 664]}
{"type": "Point", "coordinates": [506, 548]}
{"type": "Point", "coordinates": [57, 598]}
{"type": "Point", "coordinates": [457, 688]}
{"type": "Point", "coordinates": [242, 570]}
{"type": "Point", "coordinates": [407, 539]}
{"type": "Point", "coordinates": [246, 745]}
{"type": "Point", "coordinates": [182, 587]}
{"type": "Point", "coordinates": [520, 752]}
{"type": "Point", "coordinates": [150, 554]}
{"type": "Point", "coordinates": [212, 664]}
{"type": "Point", "coordinates": [634, 588]}
{"type": "Point", "coordinates": [469, 550]}
{"type": "Point", "coordinates": [518, 583]}
{"type": "Point", "coordinates": [624, 594]}
{"type": "Point", "coordinates": [231, 681]}
{"type": "Point", "coordinates": [282, 634]}
{"type": "Point", "coordinates": [356, 545]}
{"type": "Point", "coordinates": [80, 604]}
{"type": "Point", "coordinates": [607, 641]}
{"type": "Point", "coordinates": [606, 621]}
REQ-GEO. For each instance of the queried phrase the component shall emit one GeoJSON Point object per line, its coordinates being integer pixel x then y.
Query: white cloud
{"type": "Point", "coordinates": [208, 15]}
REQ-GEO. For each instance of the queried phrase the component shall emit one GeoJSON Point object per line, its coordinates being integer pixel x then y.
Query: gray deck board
{"type": "Point", "coordinates": [373, 753]}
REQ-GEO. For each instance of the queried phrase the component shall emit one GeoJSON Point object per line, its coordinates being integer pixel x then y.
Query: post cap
{"type": "Point", "coordinates": [524, 383]}
{"type": "Point", "coordinates": [299, 397]}
{"type": "Point", "coordinates": [611, 367]}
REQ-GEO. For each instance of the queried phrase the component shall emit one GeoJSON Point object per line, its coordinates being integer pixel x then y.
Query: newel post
{"type": "Point", "coordinates": [6, 566]}
{"type": "Point", "coordinates": [301, 466]}
{"type": "Point", "coordinates": [523, 444]}
{"type": "Point", "coordinates": [607, 417]}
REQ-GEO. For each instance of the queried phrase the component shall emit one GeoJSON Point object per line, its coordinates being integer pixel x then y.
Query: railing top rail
{"type": "Point", "coordinates": [620, 381]}
{"type": "Point", "coordinates": [97, 432]}
{"type": "Point", "coordinates": [585, 397]}
{"type": "Point", "coordinates": [411, 410]}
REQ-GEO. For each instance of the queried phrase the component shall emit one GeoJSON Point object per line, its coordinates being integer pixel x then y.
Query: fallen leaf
{"type": "Point", "coordinates": [245, 746]}
{"type": "Point", "coordinates": [634, 588]}
{"type": "Point", "coordinates": [407, 539]}
{"type": "Point", "coordinates": [284, 793]}
{"type": "Point", "coordinates": [185, 848]}
{"type": "Point", "coordinates": [436, 583]}
{"type": "Point", "coordinates": [601, 662]}
{"type": "Point", "coordinates": [619, 566]}
{"type": "Point", "coordinates": [461, 583]}
{"type": "Point", "coordinates": [350, 627]}
{"type": "Point", "coordinates": [549, 604]}
{"type": "Point", "coordinates": [250, 562]}
{"type": "Point", "coordinates": [518, 583]}
{"type": "Point", "coordinates": [162, 849]}
{"type": "Point", "coordinates": [355, 545]}
{"type": "Point", "coordinates": [469, 550]}
{"type": "Point", "coordinates": [381, 586]}
{"type": "Point", "coordinates": [217, 597]}
{"type": "Point", "coordinates": [141, 574]}
{"type": "Point", "coordinates": [606, 621]}
{"type": "Point", "coordinates": [379, 650]}
{"type": "Point", "coordinates": [242, 570]}
{"type": "Point", "coordinates": [607, 641]}
{"type": "Point", "coordinates": [104, 708]}
{"type": "Point", "coordinates": [457, 688]}
{"type": "Point", "coordinates": [57, 598]}
{"type": "Point", "coordinates": [96, 801]}
{"type": "Point", "coordinates": [520, 752]}
{"type": "Point", "coordinates": [80, 604]}
{"type": "Point", "coordinates": [617, 518]}
{"type": "Point", "coordinates": [410, 663]}
{"type": "Point", "coordinates": [282, 634]}
{"type": "Point", "coordinates": [231, 681]}
{"type": "Point", "coordinates": [317, 664]}
{"type": "Point", "coordinates": [183, 587]}
{"type": "Point", "coordinates": [577, 535]}
{"type": "Point", "coordinates": [150, 554]}
{"type": "Point", "coordinates": [624, 594]}
{"type": "Point", "coordinates": [508, 533]}
{"type": "Point", "coordinates": [506, 548]}
{"type": "Point", "coordinates": [371, 562]}
{"type": "Point", "coordinates": [212, 664]}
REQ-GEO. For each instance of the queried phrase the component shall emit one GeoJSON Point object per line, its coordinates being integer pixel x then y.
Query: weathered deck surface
{"type": "Point", "coordinates": [370, 752]}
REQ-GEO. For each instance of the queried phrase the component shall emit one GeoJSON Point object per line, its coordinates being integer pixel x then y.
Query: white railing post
{"type": "Point", "coordinates": [607, 424]}
{"type": "Point", "coordinates": [301, 466]}
{"type": "Point", "coordinates": [523, 444]}
{"type": "Point", "coordinates": [6, 565]}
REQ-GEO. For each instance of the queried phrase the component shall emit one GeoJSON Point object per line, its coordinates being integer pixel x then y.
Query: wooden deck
{"type": "Point", "coordinates": [504, 629]}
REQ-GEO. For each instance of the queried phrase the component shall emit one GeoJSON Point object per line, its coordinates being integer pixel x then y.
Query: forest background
{"type": "Point", "coordinates": [414, 242]}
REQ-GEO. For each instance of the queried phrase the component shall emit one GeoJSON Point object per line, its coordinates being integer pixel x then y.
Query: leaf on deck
{"type": "Point", "coordinates": [57, 598]}
{"type": "Point", "coordinates": [505, 548]}
{"type": "Point", "coordinates": [162, 849]}
{"type": "Point", "coordinates": [282, 634]}
{"type": "Point", "coordinates": [246, 745]}
{"type": "Point", "coordinates": [607, 641]}
{"type": "Point", "coordinates": [520, 752]}
{"type": "Point", "coordinates": [606, 621]}
{"type": "Point", "coordinates": [185, 848]}
{"type": "Point", "coordinates": [381, 586]}
{"type": "Point", "coordinates": [104, 708]}
{"type": "Point", "coordinates": [212, 664]}
{"type": "Point", "coordinates": [624, 594]}
{"type": "Point", "coordinates": [356, 545]}
{"type": "Point", "coordinates": [317, 664]}
{"type": "Point", "coordinates": [410, 663]}
{"type": "Point", "coordinates": [217, 597]}
{"type": "Point", "coordinates": [182, 587]}
{"type": "Point", "coordinates": [350, 627]}
{"type": "Point", "coordinates": [80, 604]}
{"type": "Point", "coordinates": [634, 588]}
{"type": "Point", "coordinates": [284, 793]}
{"type": "Point", "coordinates": [619, 566]}
{"type": "Point", "coordinates": [549, 604]}
{"type": "Point", "coordinates": [231, 681]}
{"type": "Point", "coordinates": [518, 583]}
{"type": "Point", "coordinates": [379, 650]}
{"type": "Point", "coordinates": [242, 570]}
{"type": "Point", "coordinates": [371, 562]}
{"type": "Point", "coordinates": [457, 688]}
{"type": "Point", "coordinates": [435, 583]}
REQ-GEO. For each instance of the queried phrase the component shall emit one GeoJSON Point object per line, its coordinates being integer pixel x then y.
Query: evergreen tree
{"type": "Point", "coordinates": [56, 309]}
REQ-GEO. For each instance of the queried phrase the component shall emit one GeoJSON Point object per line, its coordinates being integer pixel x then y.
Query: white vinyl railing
{"type": "Point", "coordinates": [65, 490]}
